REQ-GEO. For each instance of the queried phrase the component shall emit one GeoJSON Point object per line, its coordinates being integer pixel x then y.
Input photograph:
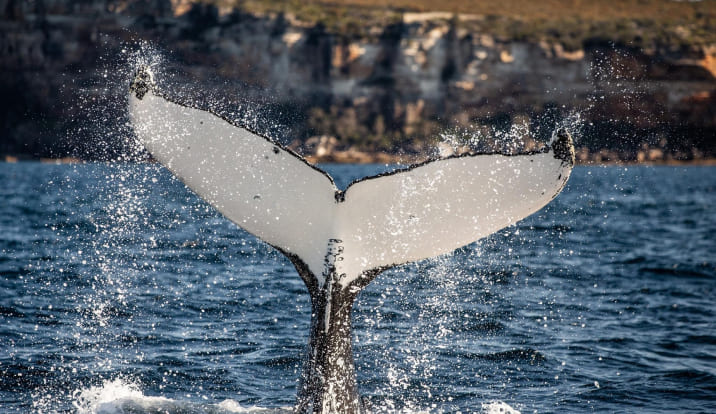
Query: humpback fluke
{"type": "Point", "coordinates": [339, 241]}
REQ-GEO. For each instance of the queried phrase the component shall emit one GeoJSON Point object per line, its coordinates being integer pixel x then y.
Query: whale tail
{"type": "Point", "coordinates": [340, 240]}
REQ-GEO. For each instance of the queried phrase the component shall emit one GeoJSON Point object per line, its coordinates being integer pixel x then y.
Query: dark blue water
{"type": "Point", "coordinates": [117, 286]}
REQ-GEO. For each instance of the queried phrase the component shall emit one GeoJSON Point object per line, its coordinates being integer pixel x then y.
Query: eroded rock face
{"type": "Point", "coordinates": [399, 86]}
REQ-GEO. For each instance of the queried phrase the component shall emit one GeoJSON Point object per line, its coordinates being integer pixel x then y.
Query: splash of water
{"type": "Point", "coordinates": [119, 397]}
{"type": "Point", "coordinates": [521, 136]}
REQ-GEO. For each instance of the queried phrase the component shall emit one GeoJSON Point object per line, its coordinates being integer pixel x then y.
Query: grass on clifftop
{"type": "Point", "coordinates": [550, 9]}
{"type": "Point", "coordinates": [643, 23]}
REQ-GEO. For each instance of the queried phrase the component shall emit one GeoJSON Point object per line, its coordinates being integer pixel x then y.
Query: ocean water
{"type": "Point", "coordinates": [120, 291]}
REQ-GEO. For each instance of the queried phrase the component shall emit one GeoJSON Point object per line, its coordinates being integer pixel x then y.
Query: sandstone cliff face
{"type": "Point", "coordinates": [400, 86]}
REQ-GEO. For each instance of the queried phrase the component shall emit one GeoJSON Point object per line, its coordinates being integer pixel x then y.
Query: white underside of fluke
{"type": "Point", "coordinates": [421, 212]}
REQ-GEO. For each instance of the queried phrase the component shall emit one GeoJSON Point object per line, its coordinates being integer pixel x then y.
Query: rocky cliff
{"type": "Point", "coordinates": [404, 84]}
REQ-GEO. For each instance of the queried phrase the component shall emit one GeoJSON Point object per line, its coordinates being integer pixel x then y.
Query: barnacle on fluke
{"type": "Point", "coordinates": [142, 82]}
{"type": "Point", "coordinates": [563, 147]}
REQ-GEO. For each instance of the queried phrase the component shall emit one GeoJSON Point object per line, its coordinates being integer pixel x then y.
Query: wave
{"type": "Point", "coordinates": [687, 271]}
{"type": "Point", "coordinates": [527, 355]}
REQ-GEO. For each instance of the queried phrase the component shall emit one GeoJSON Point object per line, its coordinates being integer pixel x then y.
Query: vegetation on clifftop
{"type": "Point", "coordinates": [638, 23]}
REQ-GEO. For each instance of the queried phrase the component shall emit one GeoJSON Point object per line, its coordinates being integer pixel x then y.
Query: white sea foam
{"type": "Point", "coordinates": [123, 397]}
{"type": "Point", "coordinates": [498, 407]}
{"type": "Point", "coordinates": [110, 397]}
